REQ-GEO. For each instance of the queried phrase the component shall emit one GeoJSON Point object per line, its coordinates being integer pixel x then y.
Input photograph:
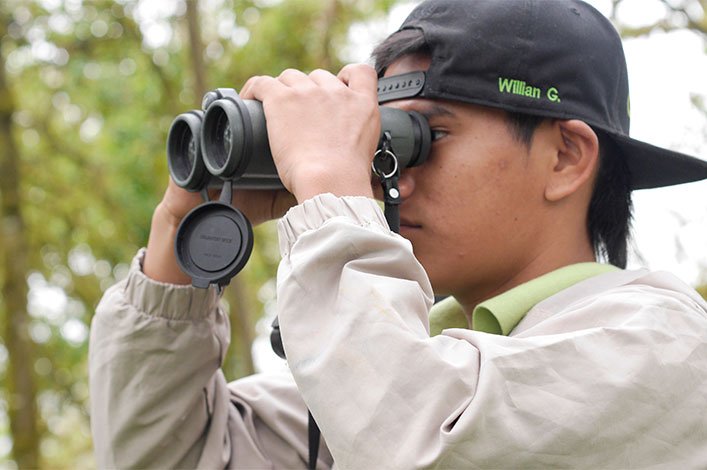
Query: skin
{"type": "Point", "coordinates": [484, 214]}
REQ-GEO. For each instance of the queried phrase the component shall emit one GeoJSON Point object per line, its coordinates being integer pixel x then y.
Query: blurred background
{"type": "Point", "coordinates": [88, 90]}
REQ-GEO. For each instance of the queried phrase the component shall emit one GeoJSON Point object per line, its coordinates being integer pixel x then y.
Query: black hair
{"type": "Point", "coordinates": [610, 208]}
{"type": "Point", "coordinates": [403, 43]}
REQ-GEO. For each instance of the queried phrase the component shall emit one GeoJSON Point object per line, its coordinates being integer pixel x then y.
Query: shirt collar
{"type": "Point", "coordinates": [500, 314]}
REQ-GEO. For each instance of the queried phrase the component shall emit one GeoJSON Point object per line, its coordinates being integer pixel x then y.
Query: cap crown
{"type": "Point", "coordinates": [555, 58]}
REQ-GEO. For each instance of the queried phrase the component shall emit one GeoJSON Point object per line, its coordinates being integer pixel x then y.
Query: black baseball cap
{"type": "Point", "coordinates": [553, 58]}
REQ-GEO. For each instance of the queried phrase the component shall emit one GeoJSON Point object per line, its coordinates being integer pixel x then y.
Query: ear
{"type": "Point", "coordinates": [576, 159]}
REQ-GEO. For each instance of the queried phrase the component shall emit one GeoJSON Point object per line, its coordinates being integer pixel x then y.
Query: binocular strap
{"type": "Point", "coordinates": [385, 165]}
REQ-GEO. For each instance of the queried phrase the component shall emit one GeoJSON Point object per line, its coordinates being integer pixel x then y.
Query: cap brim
{"type": "Point", "coordinates": [654, 167]}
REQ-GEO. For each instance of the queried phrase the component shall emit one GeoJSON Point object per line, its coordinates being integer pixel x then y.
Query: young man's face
{"type": "Point", "coordinates": [473, 210]}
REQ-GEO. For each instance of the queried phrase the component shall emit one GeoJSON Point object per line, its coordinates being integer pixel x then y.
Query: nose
{"type": "Point", "coordinates": [406, 183]}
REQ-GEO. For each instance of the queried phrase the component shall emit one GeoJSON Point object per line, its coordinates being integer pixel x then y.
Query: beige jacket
{"type": "Point", "coordinates": [610, 373]}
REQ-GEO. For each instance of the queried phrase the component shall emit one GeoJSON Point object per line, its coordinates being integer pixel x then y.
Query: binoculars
{"type": "Point", "coordinates": [227, 140]}
{"type": "Point", "coordinates": [225, 144]}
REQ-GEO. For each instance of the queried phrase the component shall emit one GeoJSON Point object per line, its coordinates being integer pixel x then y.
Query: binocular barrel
{"type": "Point", "coordinates": [228, 141]}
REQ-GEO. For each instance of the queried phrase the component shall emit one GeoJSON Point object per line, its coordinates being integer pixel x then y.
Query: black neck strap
{"type": "Point", "coordinates": [385, 166]}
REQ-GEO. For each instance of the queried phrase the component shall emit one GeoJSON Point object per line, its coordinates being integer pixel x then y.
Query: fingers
{"type": "Point", "coordinates": [358, 77]}
{"type": "Point", "coordinates": [361, 78]}
{"type": "Point", "coordinates": [294, 78]}
{"type": "Point", "coordinates": [316, 147]}
{"type": "Point", "coordinates": [257, 88]}
{"type": "Point", "coordinates": [326, 79]}
{"type": "Point", "coordinates": [245, 92]}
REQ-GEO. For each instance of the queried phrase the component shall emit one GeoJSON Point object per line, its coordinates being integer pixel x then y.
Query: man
{"type": "Point", "coordinates": [546, 359]}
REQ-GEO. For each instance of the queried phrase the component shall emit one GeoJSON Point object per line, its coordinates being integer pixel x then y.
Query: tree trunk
{"type": "Point", "coordinates": [330, 13]}
{"type": "Point", "coordinates": [196, 50]}
{"type": "Point", "coordinates": [241, 331]}
{"type": "Point", "coordinates": [20, 383]}
{"type": "Point", "coordinates": [241, 327]}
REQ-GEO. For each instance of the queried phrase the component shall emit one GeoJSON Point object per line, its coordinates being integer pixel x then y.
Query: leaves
{"type": "Point", "coordinates": [95, 87]}
{"type": "Point", "coordinates": [679, 15]}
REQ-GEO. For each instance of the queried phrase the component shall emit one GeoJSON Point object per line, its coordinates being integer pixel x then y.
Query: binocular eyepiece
{"type": "Point", "coordinates": [227, 141]}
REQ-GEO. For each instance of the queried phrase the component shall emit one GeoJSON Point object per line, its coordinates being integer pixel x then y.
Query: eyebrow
{"type": "Point", "coordinates": [435, 110]}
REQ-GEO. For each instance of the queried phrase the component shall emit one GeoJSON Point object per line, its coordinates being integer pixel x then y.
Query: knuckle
{"type": "Point", "coordinates": [362, 68]}
{"type": "Point", "coordinates": [319, 72]}
{"type": "Point", "coordinates": [290, 72]}
{"type": "Point", "coordinates": [256, 81]}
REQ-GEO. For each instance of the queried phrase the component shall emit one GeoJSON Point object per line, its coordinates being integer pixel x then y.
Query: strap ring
{"type": "Point", "coordinates": [380, 173]}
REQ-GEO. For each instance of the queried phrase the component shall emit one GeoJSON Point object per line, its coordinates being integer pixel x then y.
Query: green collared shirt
{"type": "Point", "coordinates": [500, 314]}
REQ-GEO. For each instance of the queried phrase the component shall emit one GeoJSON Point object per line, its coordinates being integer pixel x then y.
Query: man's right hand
{"type": "Point", "coordinates": [160, 263]}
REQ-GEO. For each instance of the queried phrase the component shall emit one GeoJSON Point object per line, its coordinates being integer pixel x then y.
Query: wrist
{"type": "Point", "coordinates": [313, 181]}
{"type": "Point", "coordinates": [160, 263]}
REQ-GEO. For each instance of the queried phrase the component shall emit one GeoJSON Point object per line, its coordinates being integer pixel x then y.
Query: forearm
{"type": "Point", "coordinates": [155, 351]}
{"type": "Point", "coordinates": [353, 305]}
{"type": "Point", "coordinates": [160, 262]}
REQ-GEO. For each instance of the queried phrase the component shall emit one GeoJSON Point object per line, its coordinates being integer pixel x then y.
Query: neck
{"type": "Point", "coordinates": [555, 256]}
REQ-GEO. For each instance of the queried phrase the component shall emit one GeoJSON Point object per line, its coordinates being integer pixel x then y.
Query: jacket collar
{"type": "Point", "coordinates": [501, 314]}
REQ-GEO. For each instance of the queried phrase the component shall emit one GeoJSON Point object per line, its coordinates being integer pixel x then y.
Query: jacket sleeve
{"type": "Point", "coordinates": [586, 389]}
{"type": "Point", "coordinates": [159, 398]}
{"type": "Point", "coordinates": [353, 305]}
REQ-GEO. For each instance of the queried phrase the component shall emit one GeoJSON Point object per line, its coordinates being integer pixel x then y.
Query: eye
{"type": "Point", "coordinates": [438, 134]}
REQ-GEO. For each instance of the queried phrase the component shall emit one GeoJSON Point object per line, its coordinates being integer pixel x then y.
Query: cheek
{"type": "Point", "coordinates": [482, 206]}
{"type": "Point", "coordinates": [377, 190]}
{"type": "Point", "coordinates": [469, 186]}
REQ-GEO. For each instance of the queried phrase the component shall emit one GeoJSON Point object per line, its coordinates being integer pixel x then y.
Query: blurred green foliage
{"type": "Point", "coordinates": [95, 85]}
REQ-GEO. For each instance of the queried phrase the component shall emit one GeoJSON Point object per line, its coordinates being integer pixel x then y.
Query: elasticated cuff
{"type": "Point", "coordinates": [172, 301]}
{"type": "Point", "coordinates": [314, 212]}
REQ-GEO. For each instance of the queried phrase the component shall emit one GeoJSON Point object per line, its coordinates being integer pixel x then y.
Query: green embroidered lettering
{"type": "Point", "coordinates": [532, 92]}
{"type": "Point", "coordinates": [518, 87]}
{"type": "Point", "coordinates": [505, 85]}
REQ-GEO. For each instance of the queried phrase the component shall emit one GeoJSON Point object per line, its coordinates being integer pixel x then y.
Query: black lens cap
{"type": "Point", "coordinates": [213, 244]}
